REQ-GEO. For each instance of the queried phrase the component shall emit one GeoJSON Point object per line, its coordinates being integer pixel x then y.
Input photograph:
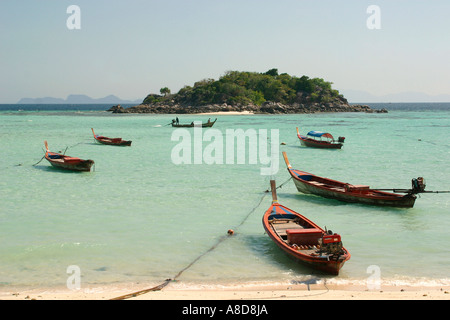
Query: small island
{"type": "Point", "coordinates": [250, 92]}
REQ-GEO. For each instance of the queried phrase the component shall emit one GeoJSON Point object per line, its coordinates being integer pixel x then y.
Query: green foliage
{"type": "Point", "coordinates": [152, 98]}
{"type": "Point", "coordinates": [272, 72]}
{"type": "Point", "coordinates": [242, 88]}
{"type": "Point", "coordinates": [164, 91]}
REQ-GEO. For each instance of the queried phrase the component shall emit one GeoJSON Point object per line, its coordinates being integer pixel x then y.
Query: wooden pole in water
{"type": "Point", "coordinates": [273, 186]}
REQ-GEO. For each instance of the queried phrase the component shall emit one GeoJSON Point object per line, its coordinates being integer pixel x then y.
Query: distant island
{"type": "Point", "coordinates": [253, 92]}
{"type": "Point", "coordinates": [76, 99]}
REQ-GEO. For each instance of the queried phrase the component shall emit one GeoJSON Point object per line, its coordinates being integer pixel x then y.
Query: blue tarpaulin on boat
{"type": "Point", "coordinates": [320, 134]}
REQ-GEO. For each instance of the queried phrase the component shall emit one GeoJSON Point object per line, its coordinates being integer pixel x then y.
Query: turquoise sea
{"type": "Point", "coordinates": [139, 217]}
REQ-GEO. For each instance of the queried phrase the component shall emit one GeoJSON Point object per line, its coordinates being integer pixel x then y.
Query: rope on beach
{"type": "Point", "coordinates": [219, 241]}
{"type": "Point", "coordinates": [138, 293]}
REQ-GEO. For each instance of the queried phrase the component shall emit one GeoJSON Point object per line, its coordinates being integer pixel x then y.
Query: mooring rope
{"type": "Point", "coordinates": [219, 241]}
{"type": "Point", "coordinates": [281, 185]}
{"type": "Point", "coordinates": [76, 144]}
{"type": "Point", "coordinates": [38, 161]}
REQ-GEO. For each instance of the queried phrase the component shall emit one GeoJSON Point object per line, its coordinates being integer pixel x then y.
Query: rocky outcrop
{"type": "Point", "coordinates": [267, 107]}
{"type": "Point", "coordinates": [117, 109]}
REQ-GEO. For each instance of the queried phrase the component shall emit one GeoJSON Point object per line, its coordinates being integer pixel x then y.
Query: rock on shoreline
{"type": "Point", "coordinates": [267, 107]}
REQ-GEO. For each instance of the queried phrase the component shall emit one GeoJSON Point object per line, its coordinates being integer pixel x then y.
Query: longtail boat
{"type": "Point", "coordinates": [110, 141]}
{"type": "Point", "coordinates": [207, 124]}
{"type": "Point", "coordinates": [302, 239]}
{"type": "Point", "coordinates": [314, 139]}
{"type": "Point", "coordinates": [66, 162]}
{"type": "Point", "coordinates": [309, 183]}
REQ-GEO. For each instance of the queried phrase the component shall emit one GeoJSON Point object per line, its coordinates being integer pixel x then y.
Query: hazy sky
{"type": "Point", "coordinates": [135, 47]}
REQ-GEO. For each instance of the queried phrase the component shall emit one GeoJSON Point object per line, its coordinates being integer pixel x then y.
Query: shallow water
{"type": "Point", "coordinates": [140, 217]}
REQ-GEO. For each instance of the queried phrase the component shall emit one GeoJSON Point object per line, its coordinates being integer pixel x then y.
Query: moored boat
{"type": "Point", "coordinates": [309, 183]}
{"type": "Point", "coordinates": [66, 162]}
{"type": "Point", "coordinates": [303, 239]}
{"type": "Point", "coordinates": [315, 139]}
{"type": "Point", "coordinates": [207, 124]}
{"type": "Point", "coordinates": [110, 141]}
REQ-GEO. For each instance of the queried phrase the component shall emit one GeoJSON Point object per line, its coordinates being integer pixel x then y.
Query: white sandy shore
{"type": "Point", "coordinates": [280, 292]}
{"type": "Point", "coordinates": [227, 113]}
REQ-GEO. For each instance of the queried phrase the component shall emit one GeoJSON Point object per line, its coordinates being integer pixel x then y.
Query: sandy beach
{"type": "Point", "coordinates": [279, 292]}
{"type": "Point", "coordinates": [228, 113]}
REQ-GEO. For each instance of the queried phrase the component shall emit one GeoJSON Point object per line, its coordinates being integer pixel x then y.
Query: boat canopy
{"type": "Point", "coordinates": [320, 134]}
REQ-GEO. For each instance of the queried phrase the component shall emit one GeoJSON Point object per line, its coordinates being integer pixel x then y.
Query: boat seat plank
{"type": "Point", "coordinates": [359, 186]}
{"type": "Point", "coordinates": [337, 189]}
{"type": "Point", "coordinates": [280, 228]}
{"type": "Point", "coordinates": [309, 236]}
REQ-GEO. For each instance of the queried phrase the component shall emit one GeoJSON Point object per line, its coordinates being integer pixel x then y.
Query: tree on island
{"type": "Point", "coordinates": [164, 91]}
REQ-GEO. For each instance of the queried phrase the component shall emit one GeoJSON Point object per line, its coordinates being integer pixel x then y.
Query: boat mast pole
{"type": "Point", "coordinates": [273, 186]}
